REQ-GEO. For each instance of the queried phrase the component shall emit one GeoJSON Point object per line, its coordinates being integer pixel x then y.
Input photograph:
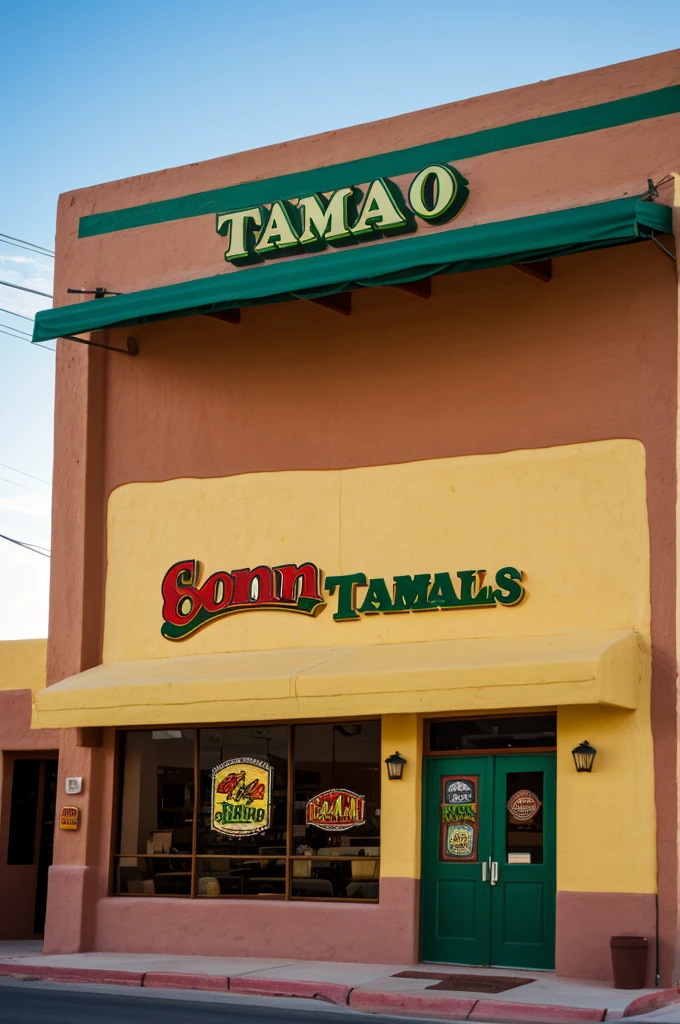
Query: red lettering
{"type": "Point", "coordinates": [243, 580]}
{"type": "Point", "coordinates": [181, 599]}
{"type": "Point", "coordinates": [308, 586]}
{"type": "Point", "coordinates": [217, 592]}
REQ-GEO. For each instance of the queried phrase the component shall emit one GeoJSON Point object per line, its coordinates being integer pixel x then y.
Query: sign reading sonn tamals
{"type": "Point", "coordinates": [345, 216]}
{"type": "Point", "coordinates": [189, 603]}
{"type": "Point", "coordinates": [241, 796]}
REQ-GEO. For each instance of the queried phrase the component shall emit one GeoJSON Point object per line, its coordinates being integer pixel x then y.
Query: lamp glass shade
{"type": "Point", "coordinates": [584, 755]}
{"type": "Point", "coordinates": [395, 765]}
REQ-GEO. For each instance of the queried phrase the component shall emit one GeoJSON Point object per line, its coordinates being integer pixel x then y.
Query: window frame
{"type": "Point", "coordinates": [289, 857]}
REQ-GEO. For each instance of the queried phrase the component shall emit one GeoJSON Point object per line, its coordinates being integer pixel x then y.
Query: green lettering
{"type": "Point", "coordinates": [472, 593]}
{"type": "Point", "coordinates": [346, 590]}
{"type": "Point", "coordinates": [377, 599]}
{"type": "Point", "coordinates": [410, 593]}
{"type": "Point", "coordinates": [511, 591]}
{"type": "Point", "coordinates": [443, 594]}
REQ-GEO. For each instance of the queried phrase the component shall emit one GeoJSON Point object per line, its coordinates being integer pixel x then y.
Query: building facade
{"type": "Point", "coordinates": [367, 465]}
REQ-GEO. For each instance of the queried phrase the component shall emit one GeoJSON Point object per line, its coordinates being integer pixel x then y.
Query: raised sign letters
{"type": "Point", "coordinates": [188, 605]}
{"type": "Point", "coordinates": [346, 216]}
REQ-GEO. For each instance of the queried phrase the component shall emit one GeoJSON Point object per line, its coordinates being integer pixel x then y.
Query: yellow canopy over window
{"type": "Point", "coordinates": [447, 675]}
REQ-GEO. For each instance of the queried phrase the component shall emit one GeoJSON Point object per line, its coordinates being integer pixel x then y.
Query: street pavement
{"type": "Point", "coordinates": [34, 1002]}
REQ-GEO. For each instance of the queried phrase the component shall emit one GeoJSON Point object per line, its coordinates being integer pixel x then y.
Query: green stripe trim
{"type": "Point", "coordinates": [403, 161]}
{"type": "Point", "coordinates": [373, 265]}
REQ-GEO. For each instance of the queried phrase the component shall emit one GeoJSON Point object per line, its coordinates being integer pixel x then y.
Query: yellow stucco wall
{"type": "Point", "coordinates": [22, 664]}
{"type": "Point", "coordinates": [572, 518]}
{"type": "Point", "coordinates": [605, 821]}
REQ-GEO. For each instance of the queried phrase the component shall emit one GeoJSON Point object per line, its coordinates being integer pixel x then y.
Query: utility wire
{"type": "Point", "coordinates": [22, 288]}
{"type": "Point", "coordinates": [21, 243]}
{"type": "Point", "coordinates": [12, 313]}
{"type": "Point", "coordinates": [24, 487]}
{"type": "Point", "coordinates": [17, 330]}
{"type": "Point", "coordinates": [29, 475]}
{"type": "Point", "coordinates": [29, 547]}
{"type": "Point", "coordinates": [37, 344]}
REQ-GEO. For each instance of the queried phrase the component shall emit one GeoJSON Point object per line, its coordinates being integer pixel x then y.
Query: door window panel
{"type": "Point", "coordinates": [524, 818]}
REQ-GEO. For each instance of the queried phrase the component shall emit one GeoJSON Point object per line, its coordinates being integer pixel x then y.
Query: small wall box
{"type": "Point", "coordinates": [74, 785]}
{"type": "Point", "coordinates": [69, 819]}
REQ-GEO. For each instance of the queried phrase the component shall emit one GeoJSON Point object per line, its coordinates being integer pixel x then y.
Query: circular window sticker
{"type": "Point", "coordinates": [524, 805]}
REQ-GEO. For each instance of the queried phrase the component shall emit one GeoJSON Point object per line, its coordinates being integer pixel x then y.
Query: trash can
{"type": "Point", "coordinates": [629, 960]}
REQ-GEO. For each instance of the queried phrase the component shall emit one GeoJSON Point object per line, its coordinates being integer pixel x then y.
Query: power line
{"type": "Point", "coordinates": [18, 330]}
{"type": "Point", "coordinates": [35, 548]}
{"type": "Point", "coordinates": [29, 475]}
{"type": "Point", "coordinates": [12, 313]}
{"type": "Point", "coordinates": [22, 288]}
{"type": "Point", "coordinates": [37, 344]}
{"type": "Point", "coordinates": [20, 243]}
{"type": "Point", "coordinates": [24, 487]}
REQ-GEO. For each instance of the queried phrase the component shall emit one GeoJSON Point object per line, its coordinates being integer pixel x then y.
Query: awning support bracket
{"type": "Point", "coordinates": [131, 350]}
{"type": "Point", "coordinates": [663, 247]}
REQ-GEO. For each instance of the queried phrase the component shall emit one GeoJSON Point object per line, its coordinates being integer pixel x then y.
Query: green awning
{"type": "Point", "coordinates": [523, 240]}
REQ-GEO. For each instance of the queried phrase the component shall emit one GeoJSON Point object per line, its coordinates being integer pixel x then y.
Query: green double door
{"type": "Point", "coordinates": [488, 869]}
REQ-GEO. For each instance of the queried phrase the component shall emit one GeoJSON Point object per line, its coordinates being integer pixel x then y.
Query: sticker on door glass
{"type": "Point", "coordinates": [524, 805]}
{"type": "Point", "coordinates": [458, 820]}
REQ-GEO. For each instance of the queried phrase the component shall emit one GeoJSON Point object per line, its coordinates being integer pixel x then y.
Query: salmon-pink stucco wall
{"type": "Point", "coordinates": [583, 168]}
{"type": "Point", "coordinates": [494, 361]}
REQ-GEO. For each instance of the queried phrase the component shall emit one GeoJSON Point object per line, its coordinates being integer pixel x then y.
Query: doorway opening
{"type": "Point", "coordinates": [488, 881]}
{"type": "Point", "coordinates": [29, 793]}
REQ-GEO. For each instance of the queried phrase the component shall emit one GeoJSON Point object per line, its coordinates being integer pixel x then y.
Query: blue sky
{"type": "Point", "coordinates": [97, 91]}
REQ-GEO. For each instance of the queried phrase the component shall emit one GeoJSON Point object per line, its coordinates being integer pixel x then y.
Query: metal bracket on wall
{"type": "Point", "coordinates": [540, 269]}
{"type": "Point", "coordinates": [663, 248]}
{"type": "Point", "coordinates": [131, 350]}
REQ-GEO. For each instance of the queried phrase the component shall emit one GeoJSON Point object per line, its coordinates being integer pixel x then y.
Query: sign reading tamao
{"type": "Point", "coordinates": [241, 796]}
{"type": "Point", "coordinates": [310, 223]}
{"type": "Point", "coordinates": [189, 604]}
{"type": "Point", "coordinates": [336, 810]}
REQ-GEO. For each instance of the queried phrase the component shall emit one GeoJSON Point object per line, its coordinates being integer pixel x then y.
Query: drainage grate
{"type": "Point", "coordinates": [466, 982]}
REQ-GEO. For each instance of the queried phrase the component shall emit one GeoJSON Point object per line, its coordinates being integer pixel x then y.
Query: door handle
{"type": "Point", "coordinates": [484, 871]}
{"type": "Point", "coordinates": [494, 872]}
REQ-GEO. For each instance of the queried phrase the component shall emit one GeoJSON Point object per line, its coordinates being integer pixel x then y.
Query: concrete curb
{"type": "Point", "coordinates": [192, 982]}
{"type": "Point", "coordinates": [654, 1001]}
{"type": "Point", "coordinates": [497, 1012]}
{"type": "Point", "coordinates": [332, 992]}
{"type": "Point", "coordinates": [79, 975]}
{"type": "Point", "coordinates": [412, 1003]}
{"type": "Point", "coordinates": [415, 1004]}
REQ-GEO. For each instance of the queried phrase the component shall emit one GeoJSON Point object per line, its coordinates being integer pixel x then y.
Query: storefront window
{"type": "Point", "coordinates": [270, 811]}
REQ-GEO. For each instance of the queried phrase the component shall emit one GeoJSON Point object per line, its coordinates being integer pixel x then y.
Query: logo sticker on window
{"type": "Point", "coordinates": [458, 817]}
{"type": "Point", "coordinates": [336, 810]}
{"type": "Point", "coordinates": [241, 796]}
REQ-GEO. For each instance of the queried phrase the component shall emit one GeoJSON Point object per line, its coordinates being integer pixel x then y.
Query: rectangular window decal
{"type": "Point", "coordinates": [458, 825]}
{"type": "Point", "coordinates": [241, 796]}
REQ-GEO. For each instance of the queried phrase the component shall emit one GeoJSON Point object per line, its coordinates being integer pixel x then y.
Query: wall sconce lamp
{"type": "Point", "coordinates": [584, 755]}
{"type": "Point", "coordinates": [395, 765]}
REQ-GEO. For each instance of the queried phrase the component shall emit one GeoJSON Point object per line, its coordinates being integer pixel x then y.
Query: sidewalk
{"type": "Point", "coordinates": [541, 997]}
